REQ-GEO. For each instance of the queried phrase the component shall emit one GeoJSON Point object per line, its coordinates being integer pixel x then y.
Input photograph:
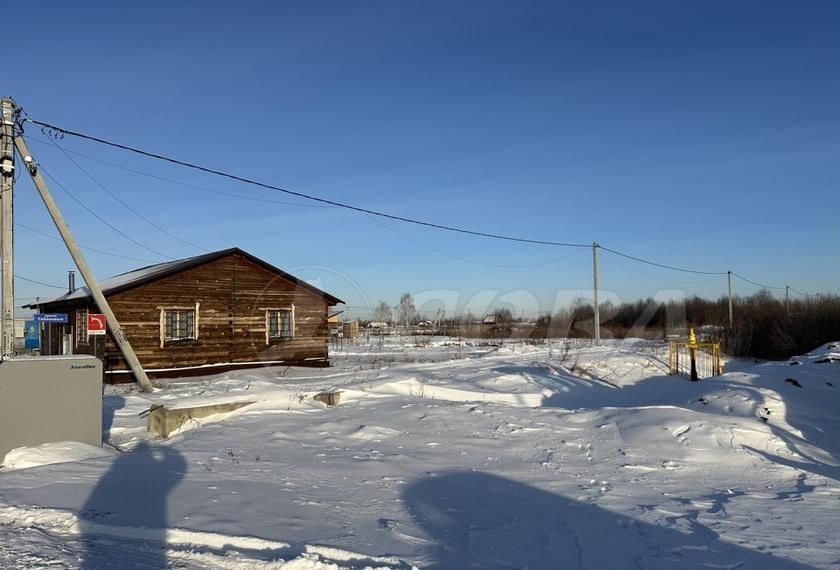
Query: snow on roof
{"type": "Point", "coordinates": [150, 272]}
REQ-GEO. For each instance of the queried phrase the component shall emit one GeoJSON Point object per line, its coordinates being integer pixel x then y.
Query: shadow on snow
{"type": "Point", "coordinates": [133, 494]}
{"type": "Point", "coordinates": [479, 520]}
{"type": "Point", "coordinates": [110, 405]}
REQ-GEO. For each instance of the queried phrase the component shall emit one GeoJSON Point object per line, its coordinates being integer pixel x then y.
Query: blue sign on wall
{"type": "Point", "coordinates": [31, 334]}
{"type": "Point", "coordinates": [50, 317]}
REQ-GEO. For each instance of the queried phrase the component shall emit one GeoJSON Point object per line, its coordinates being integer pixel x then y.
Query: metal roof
{"type": "Point", "coordinates": [143, 275]}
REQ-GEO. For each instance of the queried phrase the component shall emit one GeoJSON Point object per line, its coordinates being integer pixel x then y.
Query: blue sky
{"type": "Point", "coordinates": [698, 134]}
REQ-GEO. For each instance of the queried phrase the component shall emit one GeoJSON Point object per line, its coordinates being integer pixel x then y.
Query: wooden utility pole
{"type": "Point", "coordinates": [87, 275]}
{"type": "Point", "coordinates": [729, 280]}
{"type": "Point", "coordinates": [7, 245]}
{"type": "Point", "coordinates": [787, 300]}
{"type": "Point", "coordinates": [597, 318]}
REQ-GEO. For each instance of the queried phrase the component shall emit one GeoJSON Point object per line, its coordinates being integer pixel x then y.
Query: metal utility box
{"type": "Point", "coordinates": [50, 398]}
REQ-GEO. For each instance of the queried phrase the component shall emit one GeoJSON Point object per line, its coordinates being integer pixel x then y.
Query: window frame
{"type": "Point", "coordinates": [169, 341]}
{"type": "Point", "coordinates": [269, 338]}
{"type": "Point", "coordinates": [81, 325]}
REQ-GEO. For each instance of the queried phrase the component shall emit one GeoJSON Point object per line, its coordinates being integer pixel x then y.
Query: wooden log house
{"type": "Point", "coordinates": [206, 314]}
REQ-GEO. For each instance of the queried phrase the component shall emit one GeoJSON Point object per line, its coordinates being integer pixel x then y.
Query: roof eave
{"type": "Point", "coordinates": [195, 262]}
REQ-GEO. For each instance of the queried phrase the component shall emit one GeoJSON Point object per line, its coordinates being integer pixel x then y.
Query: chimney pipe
{"type": "Point", "coordinates": [71, 281]}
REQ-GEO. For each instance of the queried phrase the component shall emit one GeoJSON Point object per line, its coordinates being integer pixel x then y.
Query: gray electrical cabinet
{"type": "Point", "coordinates": [50, 398]}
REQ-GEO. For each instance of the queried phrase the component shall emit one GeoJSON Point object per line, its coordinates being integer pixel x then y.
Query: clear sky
{"type": "Point", "coordinates": [704, 134]}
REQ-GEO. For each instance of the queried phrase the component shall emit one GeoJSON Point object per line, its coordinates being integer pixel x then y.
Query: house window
{"type": "Point", "coordinates": [280, 323]}
{"type": "Point", "coordinates": [81, 327]}
{"type": "Point", "coordinates": [179, 324]}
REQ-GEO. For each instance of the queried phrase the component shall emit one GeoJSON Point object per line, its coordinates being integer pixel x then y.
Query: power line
{"type": "Point", "coordinates": [184, 184]}
{"type": "Point", "coordinates": [671, 267]}
{"type": "Point", "coordinates": [466, 259]}
{"type": "Point", "coordinates": [62, 131]}
{"type": "Point", "coordinates": [742, 278]}
{"type": "Point", "coordinates": [639, 271]}
{"type": "Point", "coordinates": [88, 248]}
{"type": "Point", "coordinates": [126, 205]}
{"type": "Point", "coordinates": [100, 218]}
{"type": "Point", "coordinates": [300, 194]}
{"type": "Point", "coordinates": [801, 293]}
{"type": "Point", "coordinates": [38, 282]}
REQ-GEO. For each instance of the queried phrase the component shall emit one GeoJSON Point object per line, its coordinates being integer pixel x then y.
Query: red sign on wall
{"type": "Point", "coordinates": [96, 323]}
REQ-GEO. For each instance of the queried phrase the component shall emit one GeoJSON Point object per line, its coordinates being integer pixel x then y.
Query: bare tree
{"type": "Point", "coordinates": [382, 312]}
{"type": "Point", "coordinates": [406, 308]}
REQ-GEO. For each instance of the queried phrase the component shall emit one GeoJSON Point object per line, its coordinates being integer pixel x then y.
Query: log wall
{"type": "Point", "coordinates": [232, 295]}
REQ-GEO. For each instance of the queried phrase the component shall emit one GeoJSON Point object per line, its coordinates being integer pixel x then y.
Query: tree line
{"type": "Point", "coordinates": [763, 326]}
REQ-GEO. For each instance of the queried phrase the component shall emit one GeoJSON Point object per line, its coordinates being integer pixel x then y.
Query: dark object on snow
{"type": "Point", "coordinates": [829, 384]}
{"type": "Point", "coordinates": [827, 359]}
{"type": "Point", "coordinates": [795, 362]}
{"type": "Point", "coordinates": [328, 398]}
{"type": "Point", "coordinates": [794, 382]}
{"type": "Point", "coordinates": [765, 418]}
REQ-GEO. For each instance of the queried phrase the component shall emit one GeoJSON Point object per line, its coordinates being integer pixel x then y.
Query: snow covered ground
{"type": "Point", "coordinates": [519, 456]}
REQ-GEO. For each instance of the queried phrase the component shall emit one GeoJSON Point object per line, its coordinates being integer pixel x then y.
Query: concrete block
{"type": "Point", "coordinates": [329, 398]}
{"type": "Point", "coordinates": [163, 421]}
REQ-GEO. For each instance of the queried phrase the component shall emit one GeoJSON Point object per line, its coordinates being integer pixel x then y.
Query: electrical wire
{"type": "Point", "coordinates": [88, 248]}
{"type": "Point", "coordinates": [803, 294]}
{"type": "Point", "coordinates": [466, 259]}
{"type": "Point", "coordinates": [100, 218]}
{"type": "Point", "coordinates": [53, 129]}
{"type": "Point", "coordinates": [38, 282]}
{"type": "Point", "coordinates": [757, 284]}
{"type": "Point", "coordinates": [671, 267]}
{"type": "Point", "coordinates": [299, 194]}
{"type": "Point", "coordinates": [184, 184]}
{"type": "Point", "coordinates": [126, 205]}
{"type": "Point", "coordinates": [639, 271]}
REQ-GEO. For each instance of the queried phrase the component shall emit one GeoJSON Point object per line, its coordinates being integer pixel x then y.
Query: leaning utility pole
{"type": "Point", "coordinates": [7, 156]}
{"type": "Point", "coordinates": [597, 318]}
{"type": "Point", "coordinates": [729, 280]}
{"type": "Point", "coordinates": [87, 275]}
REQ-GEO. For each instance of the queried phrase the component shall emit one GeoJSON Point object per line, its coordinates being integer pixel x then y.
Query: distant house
{"type": "Point", "coordinates": [350, 329]}
{"type": "Point", "coordinates": [709, 332]}
{"type": "Point", "coordinates": [334, 321]}
{"type": "Point", "coordinates": [496, 325]}
{"type": "Point", "coordinates": [223, 310]}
